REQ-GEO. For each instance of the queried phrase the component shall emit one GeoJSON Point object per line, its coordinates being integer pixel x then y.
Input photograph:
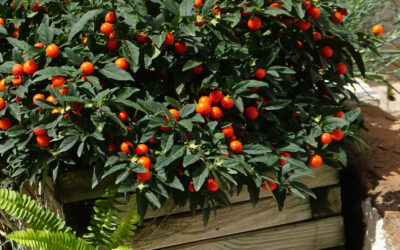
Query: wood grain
{"type": "Point", "coordinates": [328, 202]}
{"type": "Point", "coordinates": [324, 176]}
{"type": "Point", "coordinates": [241, 217]}
{"type": "Point", "coordinates": [311, 235]}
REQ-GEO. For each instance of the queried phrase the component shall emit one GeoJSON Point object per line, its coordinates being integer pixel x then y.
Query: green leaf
{"type": "Point", "coordinates": [125, 93]}
{"type": "Point", "coordinates": [68, 143]}
{"type": "Point", "coordinates": [255, 149]}
{"type": "Point", "coordinates": [187, 110]}
{"type": "Point", "coordinates": [152, 198]}
{"type": "Point", "coordinates": [190, 159]}
{"type": "Point", "coordinates": [292, 148]}
{"type": "Point", "coordinates": [45, 32]}
{"type": "Point", "coordinates": [177, 151]}
{"type": "Point", "coordinates": [172, 6]}
{"type": "Point", "coordinates": [78, 26]}
{"type": "Point", "coordinates": [18, 43]}
{"type": "Point", "coordinates": [277, 104]}
{"type": "Point", "coordinates": [186, 8]}
{"type": "Point", "coordinates": [352, 115]}
{"type": "Point", "coordinates": [332, 123]}
{"type": "Point", "coordinates": [45, 104]}
{"type": "Point", "coordinates": [114, 72]}
{"type": "Point", "coordinates": [191, 64]}
{"type": "Point", "coordinates": [268, 160]}
{"type": "Point", "coordinates": [131, 53]}
{"type": "Point", "coordinates": [199, 176]}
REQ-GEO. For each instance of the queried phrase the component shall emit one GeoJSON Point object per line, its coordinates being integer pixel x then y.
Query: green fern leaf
{"type": "Point", "coordinates": [49, 240]}
{"type": "Point", "coordinates": [127, 227]}
{"type": "Point", "coordinates": [24, 207]}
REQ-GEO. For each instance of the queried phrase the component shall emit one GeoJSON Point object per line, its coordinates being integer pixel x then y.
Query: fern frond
{"type": "Point", "coordinates": [49, 240]}
{"type": "Point", "coordinates": [127, 227]}
{"type": "Point", "coordinates": [24, 207]}
{"type": "Point", "coordinates": [104, 221]}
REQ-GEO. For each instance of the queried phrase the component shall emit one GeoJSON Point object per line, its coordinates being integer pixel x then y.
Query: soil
{"type": "Point", "coordinates": [377, 168]}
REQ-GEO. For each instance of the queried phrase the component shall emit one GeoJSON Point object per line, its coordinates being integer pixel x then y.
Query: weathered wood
{"type": "Point", "coordinates": [76, 186]}
{"type": "Point", "coordinates": [324, 176]}
{"type": "Point", "coordinates": [44, 194]}
{"type": "Point", "coordinates": [319, 234]}
{"type": "Point", "coordinates": [241, 217]}
{"type": "Point", "coordinates": [328, 202]}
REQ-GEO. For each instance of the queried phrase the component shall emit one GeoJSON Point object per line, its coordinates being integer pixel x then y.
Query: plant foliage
{"type": "Point", "coordinates": [216, 46]}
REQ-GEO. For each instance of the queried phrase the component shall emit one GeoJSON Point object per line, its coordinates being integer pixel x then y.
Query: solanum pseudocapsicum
{"type": "Point", "coordinates": [204, 96]}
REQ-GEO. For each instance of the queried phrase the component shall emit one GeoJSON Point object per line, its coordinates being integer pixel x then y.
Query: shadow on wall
{"type": "Point", "coordinates": [373, 173]}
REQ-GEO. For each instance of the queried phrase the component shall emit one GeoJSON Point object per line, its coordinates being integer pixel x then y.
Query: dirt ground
{"type": "Point", "coordinates": [378, 167]}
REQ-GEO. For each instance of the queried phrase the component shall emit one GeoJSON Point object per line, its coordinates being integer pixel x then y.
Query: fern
{"type": "Point", "coordinates": [107, 228]}
{"type": "Point", "coordinates": [24, 207]}
{"type": "Point", "coordinates": [104, 221]}
{"type": "Point", "coordinates": [49, 240]}
{"type": "Point", "coordinates": [127, 227]}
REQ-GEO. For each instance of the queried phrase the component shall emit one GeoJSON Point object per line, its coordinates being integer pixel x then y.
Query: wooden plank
{"type": "Point", "coordinates": [318, 234]}
{"type": "Point", "coordinates": [324, 176]}
{"type": "Point", "coordinates": [241, 217]}
{"type": "Point", "coordinates": [76, 186]}
{"type": "Point", "coordinates": [328, 202]}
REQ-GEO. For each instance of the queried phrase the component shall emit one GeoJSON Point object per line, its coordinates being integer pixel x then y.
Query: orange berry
{"type": "Point", "coordinates": [339, 114]}
{"type": "Point", "coordinates": [326, 138]}
{"type": "Point", "coordinates": [316, 161]}
{"type": "Point", "coordinates": [142, 38]}
{"type": "Point", "coordinates": [2, 86]}
{"type": "Point", "coordinates": [203, 108]}
{"type": "Point", "coordinates": [57, 81]}
{"type": "Point", "coordinates": [112, 44]}
{"type": "Point", "coordinates": [337, 135]}
{"type": "Point", "coordinates": [169, 39]}
{"type": "Point", "coordinates": [39, 45]}
{"type": "Point", "coordinates": [122, 63]}
{"type": "Point", "coordinates": [141, 149]}
{"type": "Point", "coordinates": [110, 17]}
{"type": "Point", "coordinates": [377, 29]}
{"type": "Point", "coordinates": [236, 147]}
{"type": "Point", "coordinates": [227, 102]}
{"type": "Point", "coordinates": [5, 124]}
{"type": "Point", "coordinates": [17, 69]}
{"type": "Point", "coordinates": [39, 131]}
{"type": "Point", "coordinates": [341, 68]}
{"type": "Point", "coordinates": [304, 25]}
{"type": "Point", "coordinates": [55, 111]}
{"type": "Point", "coordinates": [17, 80]}
{"type": "Point", "coordinates": [175, 114]}
{"type": "Point", "coordinates": [198, 3]}
{"type": "Point", "coordinates": [106, 28]}
{"type": "Point", "coordinates": [337, 17]}
{"type": "Point", "coordinates": [52, 51]}
{"type": "Point", "coordinates": [51, 99]}
{"type": "Point", "coordinates": [212, 185]}
{"type": "Point", "coordinates": [216, 96]}
{"type": "Point", "coordinates": [2, 103]}
{"type": "Point", "coordinates": [1, 21]}
{"type": "Point", "coordinates": [314, 12]}
{"type": "Point", "coordinates": [126, 147]}
{"type": "Point", "coordinates": [251, 113]}
{"type": "Point", "coordinates": [123, 116]}
{"type": "Point", "coordinates": [228, 131]}
{"type": "Point", "coordinates": [37, 96]}
{"type": "Point", "coordinates": [30, 67]}
{"type": "Point", "coordinates": [145, 161]}
{"type": "Point", "coordinates": [197, 70]}
{"type": "Point", "coordinates": [191, 187]}
{"type": "Point", "coordinates": [327, 52]}
{"type": "Point", "coordinates": [181, 48]}
{"type": "Point", "coordinates": [215, 113]}
{"type": "Point", "coordinates": [260, 74]}
{"type": "Point", "coordinates": [87, 68]}
{"type": "Point", "coordinates": [286, 155]}
{"type": "Point", "coordinates": [317, 36]}
{"type": "Point", "coordinates": [143, 177]}
{"type": "Point", "coordinates": [254, 23]}
{"type": "Point", "coordinates": [43, 140]}
{"type": "Point", "coordinates": [272, 184]}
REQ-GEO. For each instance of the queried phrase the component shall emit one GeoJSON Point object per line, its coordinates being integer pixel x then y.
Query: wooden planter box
{"type": "Point", "coordinates": [303, 224]}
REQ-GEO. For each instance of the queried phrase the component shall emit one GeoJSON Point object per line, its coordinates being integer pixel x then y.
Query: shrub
{"type": "Point", "coordinates": [214, 96]}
